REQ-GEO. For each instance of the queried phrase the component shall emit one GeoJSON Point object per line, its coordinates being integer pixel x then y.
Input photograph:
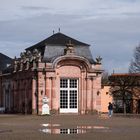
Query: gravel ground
{"type": "Point", "coordinates": [69, 127]}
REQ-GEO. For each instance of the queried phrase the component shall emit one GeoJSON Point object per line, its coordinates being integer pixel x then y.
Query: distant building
{"type": "Point", "coordinates": [59, 68]}
{"type": "Point", "coordinates": [124, 87]}
{"type": "Point", "coordinates": [5, 62]}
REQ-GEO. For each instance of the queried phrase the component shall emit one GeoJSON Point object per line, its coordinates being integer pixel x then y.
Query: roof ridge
{"type": "Point", "coordinates": [57, 39]}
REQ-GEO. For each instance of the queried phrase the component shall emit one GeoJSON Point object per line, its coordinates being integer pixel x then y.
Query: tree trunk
{"type": "Point", "coordinates": [124, 103]}
{"type": "Point", "coordinates": [124, 107]}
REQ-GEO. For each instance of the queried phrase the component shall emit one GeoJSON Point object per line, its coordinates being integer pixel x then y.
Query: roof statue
{"type": "Point", "coordinates": [98, 60]}
{"type": "Point", "coordinates": [69, 50]}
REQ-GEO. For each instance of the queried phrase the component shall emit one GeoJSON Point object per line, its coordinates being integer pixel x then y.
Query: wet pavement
{"type": "Point", "coordinates": [81, 129]}
{"type": "Point", "coordinates": [59, 127]}
{"type": "Point", "coordinates": [4, 131]}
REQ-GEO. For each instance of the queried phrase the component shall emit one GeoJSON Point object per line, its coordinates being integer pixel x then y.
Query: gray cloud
{"type": "Point", "coordinates": [34, 8]}
{"type": "Point", "coordinates": [112, 28]}
{"type": "Point", "coordinates": [18, 9]}
{"type": "Point", "coordinates": [12, 49]}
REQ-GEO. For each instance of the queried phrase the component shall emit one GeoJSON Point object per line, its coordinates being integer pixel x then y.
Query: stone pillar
{"type": "Point", "coordinates": [51, 92]}
{"type": "Point", "coordinates": [88, 95]}
{"type": "Point", "coordinates": [48, 91]}
{"type": "Point", "coordinates": [53, 88]}
{"type": "Point", "coordinates": [84, 93]}
{"type": "Point", "coordinates": [92, 82]}
{"type": "Point", "coordinates": [41, 92]}
{"type": "Point", "coordinates": [34, 95]}
{"type": "Point", "coordinates": [47, 88]}
{"type": "Point", "coordinates": [54, 101]}
{"type": "Point", "coordinates": [26, 97]}
{"type": "Point", "coordinates": [20, 95]}
{"type": "Point", "coordinates": [81, 94]}
{"type": "Point", "coordinates": [45, 84]}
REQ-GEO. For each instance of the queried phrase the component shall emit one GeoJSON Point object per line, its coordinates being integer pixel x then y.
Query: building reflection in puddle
{"type": "Point", "coordinates": [54, 129]}
{"type": "Point", "coordinates": [63, 131]}
{"type": "Point", "coordinates": [50, 125]}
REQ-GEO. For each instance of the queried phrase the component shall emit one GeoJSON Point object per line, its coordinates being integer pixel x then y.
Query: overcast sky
{"type": "Point", "coordinates": [111, 27]}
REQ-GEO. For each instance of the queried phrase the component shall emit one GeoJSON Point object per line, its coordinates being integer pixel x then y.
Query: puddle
{"type": "Point", "coordinates": [50, 125]}
{"type": "Point", "coordinates": [57, 129]}
{"type": "Point", "coordinates": [63, 131]}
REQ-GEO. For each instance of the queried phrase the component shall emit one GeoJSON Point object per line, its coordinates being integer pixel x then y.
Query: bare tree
{"type": "Point", "coordinates": [123, 87]}
{"type": "Point", "coordinates": [105, 76]}
{"type": "Point", "coordinates": [135, 63]}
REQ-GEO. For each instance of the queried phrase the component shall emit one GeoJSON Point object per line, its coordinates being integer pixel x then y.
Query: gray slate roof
{"type": "Point", "coordinates": [54, 46]}
{"type": "Point", "coordinates": [5, 61]}
{"type": "Point", "coordinates": [52, 52]}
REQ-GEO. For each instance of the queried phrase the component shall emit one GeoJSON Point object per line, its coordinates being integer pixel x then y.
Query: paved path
{"type": "Point", "coordinates": [69, 127]}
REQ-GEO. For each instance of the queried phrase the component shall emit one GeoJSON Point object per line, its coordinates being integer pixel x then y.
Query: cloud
{"type": "Point", "coordinates": [18, 9]}
{"type": "Point", "coordinates": [34, 8]}
{"type": "Point", "coordinates": [111, 27]}
{"type": "Point", "coordinates": [12, 49]}
{"type": "Point", "coordinates": [116, 67]}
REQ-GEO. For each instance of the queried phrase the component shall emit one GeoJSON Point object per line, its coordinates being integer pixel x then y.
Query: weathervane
{"type": "Point", "coordinates": [59, 30]}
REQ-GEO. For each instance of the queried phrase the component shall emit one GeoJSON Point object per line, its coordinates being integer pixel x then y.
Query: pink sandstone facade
{"type": "Point", "coordinates": [70, 81]}
{"type": "Point", "coordinates": [67, 69]}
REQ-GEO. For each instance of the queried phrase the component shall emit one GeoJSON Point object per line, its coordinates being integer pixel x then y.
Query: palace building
{"type": "Point", "coordinates": [60, 69]}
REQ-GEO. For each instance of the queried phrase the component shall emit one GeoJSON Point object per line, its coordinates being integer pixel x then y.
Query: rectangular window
{"type": "Point", "coordinates": [68, 95]}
